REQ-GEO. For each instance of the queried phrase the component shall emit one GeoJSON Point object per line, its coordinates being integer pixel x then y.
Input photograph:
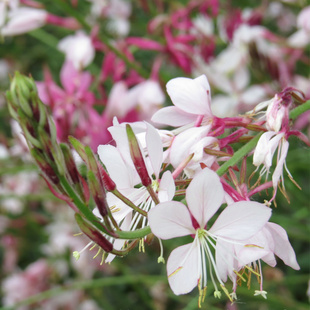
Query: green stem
{"type": "Point", "coordinates": [74, 13]}
{"type": "Point", "coordinates": [247, 148]}
{"type": "Point", "coordinates": [139, 233]}
{"type": "Point", "coordinates": [300, 110]}
{"type": "Point", "coordinates": [128, 202]}
{"type": "Point", "coordinates": [82, 285]}
{"type": "Point", "coordinates": [80, 204]}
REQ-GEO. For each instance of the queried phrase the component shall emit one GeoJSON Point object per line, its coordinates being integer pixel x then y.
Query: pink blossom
{"type": "Point", "coordinates": [72, 106]}
{"type": "Point", "coordinates": [187, 265]}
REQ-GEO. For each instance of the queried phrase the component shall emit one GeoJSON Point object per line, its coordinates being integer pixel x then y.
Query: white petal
{"type": "Point", "coordinates": [183, 142]}
{"type": "Point", "coordinates": [298, 39]}
{"type": "Point", "coordinates": [117, 169]}
{"type": "Point", "coordinates": [190, 95]}
{"type": "Point", "coordinates": [261, 149]}
{"type": "Point", "coordinates": [225, 261]}
{"type": "Point", "coordinates": [183, 268]}
{"type": "Point", "coordinates": [155, 148]}
{"type": "Point", "coordinates": [173, 116]}
{"type": "Point", "coordinates": [241, 220]}
{"type": "Point", "coordinates": [204, 195]}
{"type": "Point", "coordinates": [279, 168]}
{"type": "Point", "coordinates": [169, 220]}
{"type": "Point", "coordinates": [166, 187]}
{"type": "Point", "coordinates": [282, 247]}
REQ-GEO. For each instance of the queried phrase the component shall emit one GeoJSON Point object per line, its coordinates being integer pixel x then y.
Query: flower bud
{"type": "Point", "coordinates": [98, 193]}
{"type": "Point", "coordinates": [44, 165]}
{"type": "Point", "coordinates": [137, 157]}
{"type": "Point", "coordinates": [93, 234]}
{"type": "Point", "coordinates": [107, 181]}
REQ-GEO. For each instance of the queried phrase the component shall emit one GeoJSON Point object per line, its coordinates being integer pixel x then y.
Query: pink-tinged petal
{"type": "Point", "coordinates": [279, 168]}
{"type": "Point", "coordinates": [117, 169]}
{"type": "Point", "coordinates": [190, 95]}
{"type": "Point", "coordinates": [282, 246]}
{"type": "Point", "coordinates": [68, 77]}
{"type": "Point", "coordinates": [241, 220]}
{"type": "Point", "coordinates": [173, 116]}
{"type": "Point", "coordinates": [183, 268]}
{"type": "Point", "coordinates": [170, 220]}
{"type": "Point", "coordinates": [204, 195]}
{"type": "Point", "coordinates": [166, 187]}
{"type": "Point", "coordinates": [184, 142]}
{"type": "Point", "coordinates": [155, 148]}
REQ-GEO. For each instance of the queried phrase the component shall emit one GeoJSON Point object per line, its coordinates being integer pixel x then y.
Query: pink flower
{"type": "Point", "coordinates": [188, 264]}
{"type": "Point", "coordinates": [72, 106]}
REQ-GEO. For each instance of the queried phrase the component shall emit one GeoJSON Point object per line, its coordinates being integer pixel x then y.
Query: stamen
{"type": "Point", "coordinates": [161, 257]}
{"type": "Point", "coordinates": [97, 253]}
{"type": "Point", "coordinates": [102, 258]}
{"type": "Point", "coordinates": [226, 292]}
{"type": "Point", "coordinates": [77, 254]}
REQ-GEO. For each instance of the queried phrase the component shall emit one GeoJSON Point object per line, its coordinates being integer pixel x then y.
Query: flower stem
{"type": "Point", "coordinates": [300, 110]}
{"type": "Point", "coordinates": [247, 148]}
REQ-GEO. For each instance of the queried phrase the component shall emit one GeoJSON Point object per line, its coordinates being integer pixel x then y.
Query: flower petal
{"type": "Point", "coordinates": [155, 148]}
{"type": "Point", "coordinates": [278, 172]}
{"type": "Point", "coordinates": [166, 189]}
{"type": "Point", "coordinates": [183, 268]}
{"type": "Point", "coordinates": [118, 170]}
{"type": "Point", "coordinates": [191, 96]}
{"type": "Point", "coordinates": [241, 220]}
{"type": "Point", "coordinates": [173, 116]}
{"type": "Point", "coordinates": [169, 220]}
{"type": "Point", "coordinates": [184, 142]}
{"type": "Point", "coordinates": [204, 195]}
{"type": "Point", "coordinates": [282, 246]}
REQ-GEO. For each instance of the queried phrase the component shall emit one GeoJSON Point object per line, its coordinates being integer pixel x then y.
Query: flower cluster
{"type": "Point", "coordinates": [170, 183]}
{"type": "Point", "coordinates": [153, 120]}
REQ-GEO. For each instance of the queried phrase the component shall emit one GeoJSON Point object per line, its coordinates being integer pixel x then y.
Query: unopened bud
{"type": "Point", "coordinates": [44, 165]}
{"type": "Point", "coordinates": [98, 193]}
{"type": "Point", "coordinates": [107, 181]}
{"type": "Point", "coordinates": [137, 157]}
{"type": "Point", "coordinates": [70, 163]}
{"type": "Point", "coordinates": [93, 234]}
{"type": "Point", "coordinates": [79, 147]}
